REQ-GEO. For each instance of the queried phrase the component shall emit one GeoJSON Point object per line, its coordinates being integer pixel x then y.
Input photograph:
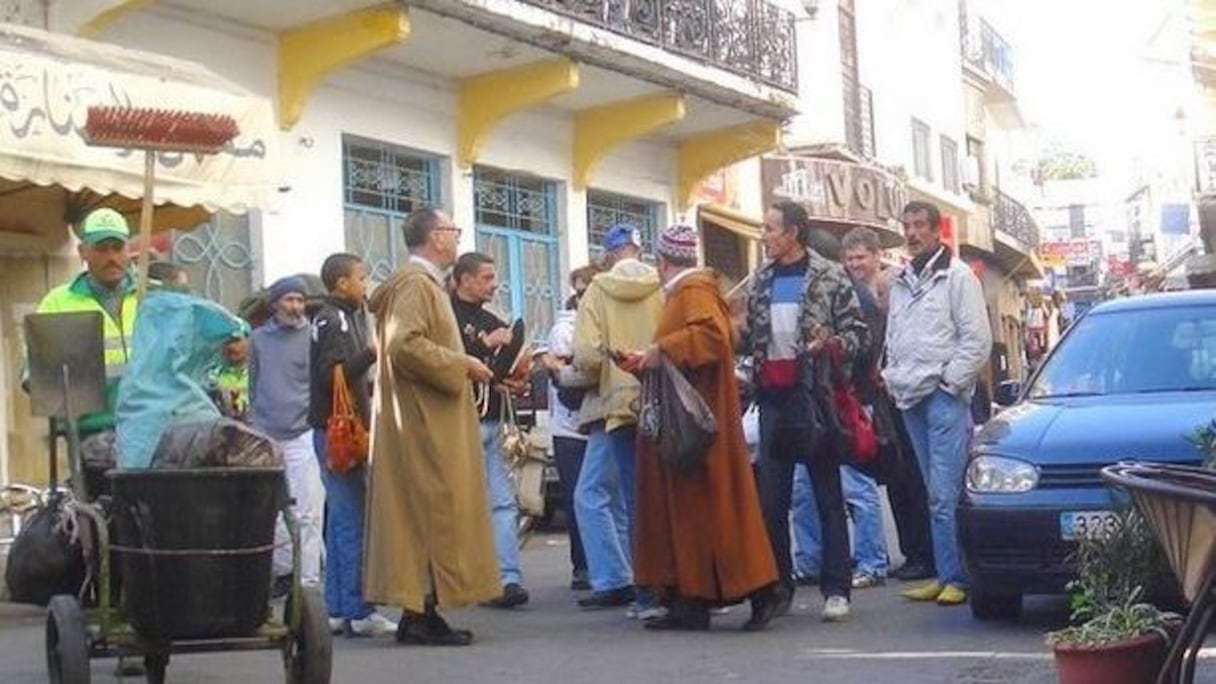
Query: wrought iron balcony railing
{"type": "Point", "coordinates": [988, 51]}
{"type": "Point", "coordinates": [752, 38]}
{"type": "Point", "coordinates": [1012, 218]}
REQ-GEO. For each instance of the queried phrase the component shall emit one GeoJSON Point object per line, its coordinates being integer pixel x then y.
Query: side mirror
{"type": "Point", "coordinates": [1007, 393]}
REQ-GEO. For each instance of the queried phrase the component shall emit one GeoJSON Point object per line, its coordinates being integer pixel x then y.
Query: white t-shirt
{"type": "Point", "coordinates": [563, 422]}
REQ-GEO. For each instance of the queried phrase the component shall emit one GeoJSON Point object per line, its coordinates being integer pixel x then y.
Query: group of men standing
{"type": "Point", "coordinates": [440, 515]}
{"type": "Point", "coordinates": [672, 543]}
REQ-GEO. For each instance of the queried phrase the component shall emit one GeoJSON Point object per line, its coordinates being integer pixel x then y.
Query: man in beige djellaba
{"type": "Point", "coordinates": [429, 542]}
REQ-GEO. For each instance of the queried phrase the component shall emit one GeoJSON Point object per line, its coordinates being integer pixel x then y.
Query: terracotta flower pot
{"type": "Point", "coordinates": [1132, 661]}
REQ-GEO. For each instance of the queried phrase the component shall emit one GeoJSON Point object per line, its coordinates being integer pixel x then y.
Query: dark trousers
{"type": "Point", "coordinates": [775, 481]}
{"type": "Point", "coordinates": [568, 454]}
{"type": "Point", "coordinates": [910, 504]}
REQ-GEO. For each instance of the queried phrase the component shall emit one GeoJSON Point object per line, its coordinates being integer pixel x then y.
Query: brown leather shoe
{"type": "Point", "coordinates": [430, 630]}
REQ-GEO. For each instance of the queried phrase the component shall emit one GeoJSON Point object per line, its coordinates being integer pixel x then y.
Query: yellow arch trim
{"type": "Point", "coordinates": [486, 99]}
{"type": "Point", "coordinates": [599, 129]}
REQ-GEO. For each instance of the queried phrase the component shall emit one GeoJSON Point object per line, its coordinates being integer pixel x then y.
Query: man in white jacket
{"type": "Point", "coordinates": [938, 339]}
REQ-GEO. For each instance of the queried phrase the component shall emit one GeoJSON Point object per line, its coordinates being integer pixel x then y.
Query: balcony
{"type": "Point", "coordinates": [988, 51]}
{"type": "Point", "coordinates": [751, 38]}
{"type": "Point", "coordinates": [1014, 220]}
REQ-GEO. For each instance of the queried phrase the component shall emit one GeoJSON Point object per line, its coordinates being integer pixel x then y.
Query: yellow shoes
{"type": "Point", "coordinates": [952, 596]}
{"type": "Point", "coordinates": [947, 595]}
{"type": "Point", "coordinates": [925, 592]}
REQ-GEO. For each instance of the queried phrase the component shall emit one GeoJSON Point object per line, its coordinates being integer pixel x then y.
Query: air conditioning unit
{"type": "Point", "coordinates": [971, 173]}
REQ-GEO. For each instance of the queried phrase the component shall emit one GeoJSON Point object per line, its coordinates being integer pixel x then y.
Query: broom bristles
{"type": "Point", "coordinates": [159, 129]}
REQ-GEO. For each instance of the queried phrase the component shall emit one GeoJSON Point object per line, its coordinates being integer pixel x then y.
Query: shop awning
{"type": "Point", "coordinates": [735, 222]}
{"type": "Point", "coordinates": [48, 82]}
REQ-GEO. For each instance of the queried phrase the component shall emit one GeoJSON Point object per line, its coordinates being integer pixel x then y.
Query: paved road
{"type": "Point", "coordinates": [887, 640]}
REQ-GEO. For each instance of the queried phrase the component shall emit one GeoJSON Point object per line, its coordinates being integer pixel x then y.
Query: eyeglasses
{"type": "Point", "coordinates": [451, 229]}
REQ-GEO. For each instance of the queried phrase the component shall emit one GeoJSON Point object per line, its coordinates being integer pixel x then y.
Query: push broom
{"type": "Point", "coordinates": [155, 131]}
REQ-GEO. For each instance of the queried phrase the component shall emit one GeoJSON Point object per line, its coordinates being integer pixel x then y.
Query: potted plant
{"type": "Point", "coordinates": [1116, 637]}
{"type": "Point", "coordinates": [1204, 439]}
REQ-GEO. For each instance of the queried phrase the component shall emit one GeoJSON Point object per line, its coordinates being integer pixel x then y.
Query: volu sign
{"type": "Point", "coordinates": [835, 191]}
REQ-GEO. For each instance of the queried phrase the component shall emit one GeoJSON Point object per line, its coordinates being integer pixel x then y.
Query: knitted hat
{"type": "Point", "coordinates": [679, 242]}
{"type": "Point", "coordinates": [285, 286]}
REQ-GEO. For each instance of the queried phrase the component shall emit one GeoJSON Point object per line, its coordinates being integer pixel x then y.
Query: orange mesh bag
{"type": "Point", "coordinates": [346, 438]}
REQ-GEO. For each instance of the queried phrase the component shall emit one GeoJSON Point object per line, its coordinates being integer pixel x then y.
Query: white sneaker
{"type": "Point", "coordinates": [835, 609]}
{"type": "Point", "coordinates": [373, 625]}
{"type": "Point", "coordinates": [637, 611]}
{"type": "Point", "coordinates": [337, 625]}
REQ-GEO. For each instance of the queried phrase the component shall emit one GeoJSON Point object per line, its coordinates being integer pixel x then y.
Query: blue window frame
{"type": "Point", "coordinates": [382, 184]}
{"type": "Point", "coordinates": [218, 258]}
{"type": "Point", "coordinates": [516, 218]}
{"type": "Point", "coordinates": [606, 209]}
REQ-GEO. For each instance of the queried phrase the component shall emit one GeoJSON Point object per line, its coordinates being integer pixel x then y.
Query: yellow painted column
{"type": "Point", "coordinates": [705, 153]}
{"type": "Point", "coordinates": [101, 14]}
{"type": "Point", "coordinates": [599, 129]}
{"type": "Point", "coordinates": [486, 99]}
{"type": "Point", "coordinates": [310, 53]}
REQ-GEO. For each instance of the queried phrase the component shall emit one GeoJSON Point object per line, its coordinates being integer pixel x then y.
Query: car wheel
{"type": "Point", "coordinates": [990, 605]}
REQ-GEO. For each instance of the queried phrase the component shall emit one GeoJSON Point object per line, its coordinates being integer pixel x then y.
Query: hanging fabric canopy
{"type": "Point", "coordinates": [47, 83]}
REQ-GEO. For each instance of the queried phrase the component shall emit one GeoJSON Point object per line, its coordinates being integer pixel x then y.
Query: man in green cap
{"type": "Point", "coordinates": [230, 380]}
{"type": "Point", "coordinates": [108, 287]}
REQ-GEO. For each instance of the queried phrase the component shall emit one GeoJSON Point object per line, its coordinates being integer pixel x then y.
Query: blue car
{"type": "Point", "coordinates": [1131, 380]}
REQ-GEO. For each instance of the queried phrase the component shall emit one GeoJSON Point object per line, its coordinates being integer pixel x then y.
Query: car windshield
{"type": "Point", "coordinates": [1170, 349]}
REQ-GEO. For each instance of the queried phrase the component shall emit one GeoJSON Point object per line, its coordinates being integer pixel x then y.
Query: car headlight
{"type": "Point", "coordinates": [1000, 475]}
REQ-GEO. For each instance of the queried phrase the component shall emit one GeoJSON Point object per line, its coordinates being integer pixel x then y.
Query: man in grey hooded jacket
{"type": "Point", "coordinates": [938, 339]}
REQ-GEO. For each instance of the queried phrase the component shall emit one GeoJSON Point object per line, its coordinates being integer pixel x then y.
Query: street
{"type": "Point", "coordinates": [886, 640]}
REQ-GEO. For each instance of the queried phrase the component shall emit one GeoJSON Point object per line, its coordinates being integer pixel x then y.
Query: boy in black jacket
{"type": "Point", "coordinates": [340, 336]}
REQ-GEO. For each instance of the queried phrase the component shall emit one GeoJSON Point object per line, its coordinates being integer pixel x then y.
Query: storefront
{"type": "Point", "coordinates": [838, 195]}
{"type": "Point", "coordinates": [49, 179]}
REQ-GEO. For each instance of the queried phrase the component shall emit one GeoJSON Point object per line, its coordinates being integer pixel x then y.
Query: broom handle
{"type": "Point", "coordinates": [145, 222]}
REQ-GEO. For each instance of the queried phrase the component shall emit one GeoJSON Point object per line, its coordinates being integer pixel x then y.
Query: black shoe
{"type": "Point", "coordinates": [806, 579]}
{"type": "Point", "coordinates": [685, 619]}
{"type": "Point", "coordinates": [613, 598]}
{"type": "Point", "coordinates": [783, 599]}
{"type": "Point", "coordinates": [513, 596]}
{"type": "Point", "coordinates": [913, 571]}
{"type": "Point", "coordinates": [430, 630]}
{"type": "Point", "coordinates": [764, 609]}
{"type": "Point", "coordinates": [280, 587]}
{"type": "Point", "coordinates": [579, 581]}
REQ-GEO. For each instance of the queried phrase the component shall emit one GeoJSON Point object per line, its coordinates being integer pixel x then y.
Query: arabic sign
{"type": "Point", "coordinates": [1065, 253]}
{"type": "Point", "coordinates": [47, 84]}
{"type": "Point", "coordinates": [834, 190]}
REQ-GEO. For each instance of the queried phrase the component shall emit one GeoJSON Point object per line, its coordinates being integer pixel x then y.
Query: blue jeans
{"type": "Point", "coordinates": [861, 499]}
{"type": "Point", "coordinates": [940, 429]}
{"type": "Point", "coordinates": [504, 509]}
{"type": "Point", "coordinates": [602, 523]}
{"type": "Point", "coordinates": [344, 501]}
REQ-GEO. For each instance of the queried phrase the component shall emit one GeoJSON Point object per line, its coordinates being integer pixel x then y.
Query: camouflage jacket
{"type": "Point", "coordinates": [830, 301]}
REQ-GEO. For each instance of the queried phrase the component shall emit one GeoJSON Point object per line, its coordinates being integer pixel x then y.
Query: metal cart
{"type": "Point", "coordinates": [178, 561]}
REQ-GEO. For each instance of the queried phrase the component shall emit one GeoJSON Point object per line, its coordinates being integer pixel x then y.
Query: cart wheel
{"type": "Point", "coordinates": [309, 656]}
{"type": "Point", "coordinates": [67, 642]}
{"type": "Point", "coordinates": [155, 665]}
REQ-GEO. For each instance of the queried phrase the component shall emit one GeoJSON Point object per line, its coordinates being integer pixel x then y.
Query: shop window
{"type": "Point", "coordinates": [218, 258]}
{"type": "Point", "coordinates": [606, 209]}
{"type": "Point", "coordinates": [382, 184]}
{"type": "Point", "coordinates": [922, 156]}
{"type": "Point", "coordinates": [725, 252]}
{"type": "Point", "coordinates": [517, 224]}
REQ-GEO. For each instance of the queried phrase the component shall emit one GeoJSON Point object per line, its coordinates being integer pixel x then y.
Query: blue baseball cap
{"type": "Point", "coordinates": [622, 235]}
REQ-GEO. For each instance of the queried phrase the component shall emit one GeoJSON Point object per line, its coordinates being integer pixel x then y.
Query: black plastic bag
{"type": "Point", "coordinates": [680, 420]}
{"type": "Point", "coordinates": [44, 559]}
{"type": "Point", "coordinates": [218, 443]}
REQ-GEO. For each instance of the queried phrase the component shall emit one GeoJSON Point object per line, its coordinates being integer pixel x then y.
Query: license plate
{"type": "Point", "coordinates": [1076, 525]}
